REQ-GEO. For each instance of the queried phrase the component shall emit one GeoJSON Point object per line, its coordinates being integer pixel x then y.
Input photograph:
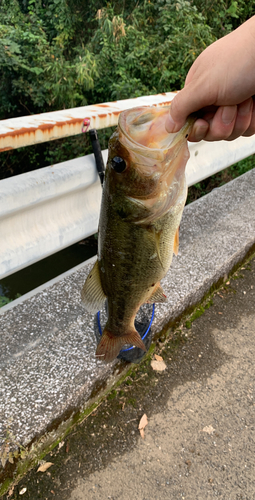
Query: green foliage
{"type": "Point", "coordinates": [39, 67]}
{"type": "Point", "coordinates": [224, 16]}
{"type": "Point", "coordinates": [242, 166]}
{"type": "Point", "coordinates": [4, 301]}
{"type": "Point", "coordinates": [149, 52]}
{"type": "Point", "coordinates": [57, 54]}
{"type": "Point", "coordinates": [47, 62]}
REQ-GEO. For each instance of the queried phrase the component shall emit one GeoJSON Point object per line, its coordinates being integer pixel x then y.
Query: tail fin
{"type": "Point", "coordinates": [110, 345]}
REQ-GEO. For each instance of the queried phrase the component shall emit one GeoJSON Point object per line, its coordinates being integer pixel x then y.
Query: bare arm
{"type": "Point", "coordinates": [219, 87]}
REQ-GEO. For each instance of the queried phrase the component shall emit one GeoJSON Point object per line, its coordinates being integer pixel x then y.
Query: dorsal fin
{"type": "Point", "coordinates": [92, 294]}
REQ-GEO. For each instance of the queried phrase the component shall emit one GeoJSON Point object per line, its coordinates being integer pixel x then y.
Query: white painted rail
{"type": "Point", "coordinates": [33, 129]}
{"type": "Point", "coordinates": [44, 211]}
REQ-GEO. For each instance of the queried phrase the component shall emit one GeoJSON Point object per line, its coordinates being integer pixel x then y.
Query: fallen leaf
{"type": "Point", "coordinates": [22, 491]}
{"type": "Point", "coordinates": [158, 366]}
{"type": "Point", "coordinates": [67, 447]}
{"type": "Point", "coordinates": [142, 433]}
{"type": "Point", "coordinates": [142, 424]}
{"type": "Point", "coordinates": [158, 358]}
{"type": "Point", "coordinates": [209, 429]}
{"type": "Point", "coordinates": [44, 467]}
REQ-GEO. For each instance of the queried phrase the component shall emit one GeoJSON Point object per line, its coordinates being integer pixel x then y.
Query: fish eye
{"type": "Point", "coordinates": [118, 164]}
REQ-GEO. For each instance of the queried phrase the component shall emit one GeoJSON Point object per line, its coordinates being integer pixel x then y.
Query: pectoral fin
{"type": "Point", "coordinates": [176, 242]}
{"type": "Point", "coordinates": [157, 296]}
{"type": "Point", "coordinates": [157, 236]}
{"type": "Point", "coordinates": [92, 294]}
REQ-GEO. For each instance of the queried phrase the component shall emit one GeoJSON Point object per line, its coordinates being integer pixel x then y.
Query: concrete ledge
{"type": "Point", "coordinates": [49, 374]}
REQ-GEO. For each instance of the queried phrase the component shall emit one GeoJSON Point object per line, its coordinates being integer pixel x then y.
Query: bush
{"type": "Point", "coordinates": [57, 54]}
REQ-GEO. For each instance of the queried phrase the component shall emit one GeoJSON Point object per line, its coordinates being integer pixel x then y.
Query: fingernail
{"type": "Point", "coordinates": [199, 132]}
{"type": "Point", "coordinates": [245, 108]}
{"type": "Point", "coordinates": [170, 125]}
{"type": "Point", "coordinates": [228, 114]}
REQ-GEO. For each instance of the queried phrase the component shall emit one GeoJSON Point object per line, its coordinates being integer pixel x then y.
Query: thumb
{"type": "Point", "coordinates": [184, 103]}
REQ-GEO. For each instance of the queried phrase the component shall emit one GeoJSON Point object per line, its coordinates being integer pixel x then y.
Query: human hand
{"type": "Point", "coordinates": [219, 89]}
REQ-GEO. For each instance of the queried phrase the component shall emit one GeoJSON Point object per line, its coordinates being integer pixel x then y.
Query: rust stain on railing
{"type": "Point", "coordinates": [43, 132]}
{"type": "Point", "coordinates": [34, 129]}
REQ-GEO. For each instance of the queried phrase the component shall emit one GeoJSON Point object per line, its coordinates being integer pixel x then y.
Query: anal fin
{"type": "Point", "coordinates": [157, 296]}
{"type": "Point", "coordinates": [92, 294]}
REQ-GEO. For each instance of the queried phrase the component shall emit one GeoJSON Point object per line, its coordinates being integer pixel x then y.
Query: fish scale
{"type": "Point", "coordinates": [144, 194]}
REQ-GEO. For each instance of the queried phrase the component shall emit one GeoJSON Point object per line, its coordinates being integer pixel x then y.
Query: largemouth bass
{"type": "Point", "coordinates": [143, 198]}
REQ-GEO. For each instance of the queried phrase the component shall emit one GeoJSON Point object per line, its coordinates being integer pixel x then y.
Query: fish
{"type": "Point", "coordinates": [143, 197]}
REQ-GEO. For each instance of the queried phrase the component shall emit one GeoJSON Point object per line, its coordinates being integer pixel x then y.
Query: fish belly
{"type": "Point", "coordinates": [133, 259]}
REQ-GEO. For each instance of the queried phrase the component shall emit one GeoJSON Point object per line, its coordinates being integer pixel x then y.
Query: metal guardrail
{"type": "Point", "coordinates": [46, 210]}
{"type": "Point", "coordinates": [20, 132]}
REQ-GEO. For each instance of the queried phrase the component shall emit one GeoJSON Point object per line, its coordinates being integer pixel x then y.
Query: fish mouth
{"type": "Point", "coordinates": [158, 156]}
{"type": "Point", "coordinates": [143, 131]}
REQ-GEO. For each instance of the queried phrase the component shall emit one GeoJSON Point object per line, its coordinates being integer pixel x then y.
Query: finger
{"type": "Point", "coordinates": [222, 124]}
{"type": "Point", "coordinates": [187, 101]}
{"type": "Point", "coordinates": [173, 126]}
{"type": "Point", "coordinates": [243, 119]}
{"type": "Point", "coordinates": [199, 130]}
{"type": "Point", "coordinates": [251, 129]}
